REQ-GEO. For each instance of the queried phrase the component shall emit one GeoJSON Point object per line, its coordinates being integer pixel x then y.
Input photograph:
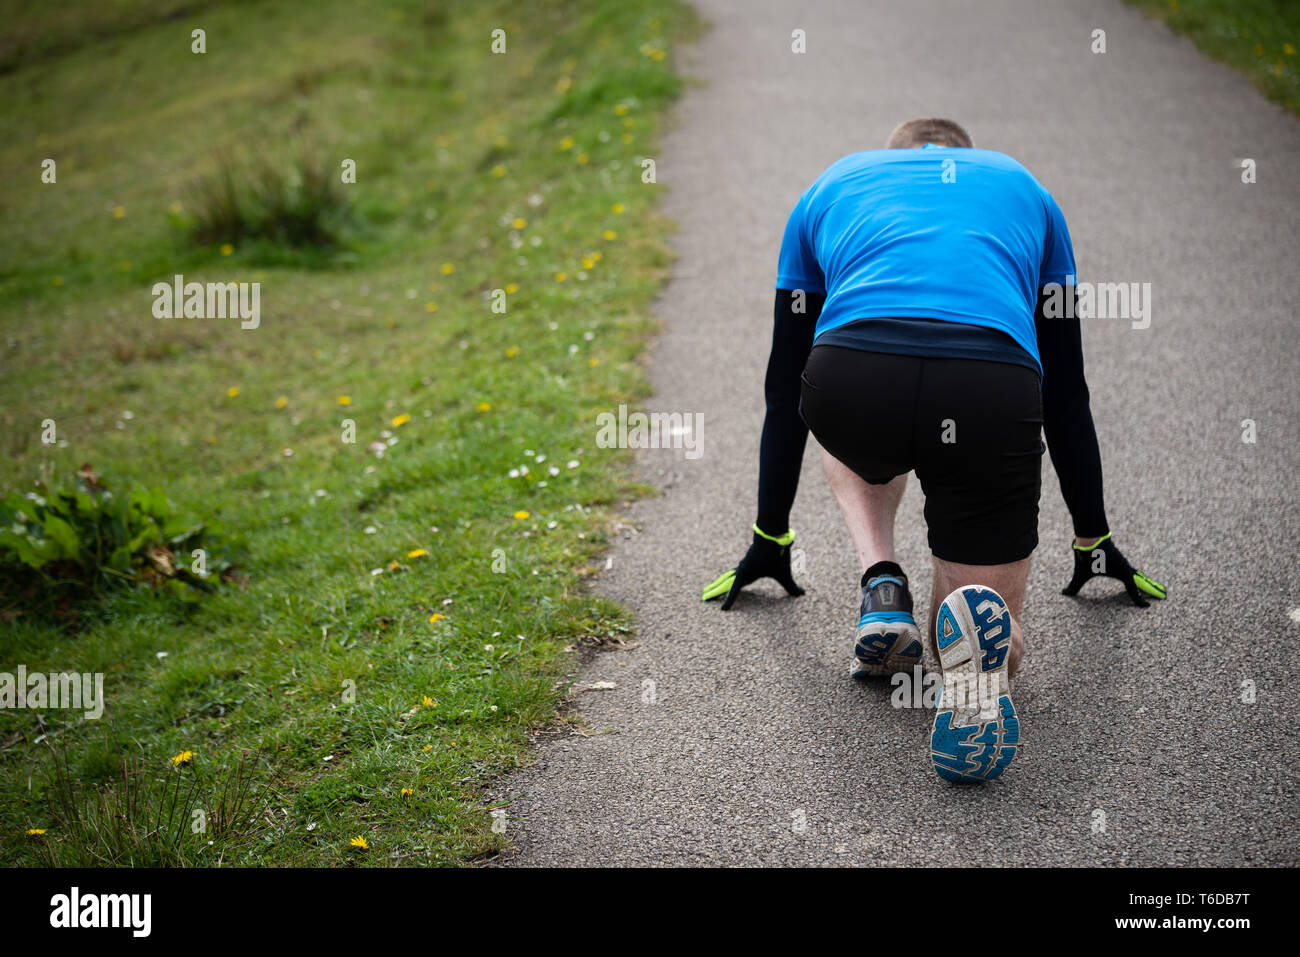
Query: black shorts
{"type": "Point", "coordinates": [969, 428]}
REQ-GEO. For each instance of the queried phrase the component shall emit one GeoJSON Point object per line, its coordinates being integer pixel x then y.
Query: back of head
{"type": "Point", "coordinates": [930, 129]}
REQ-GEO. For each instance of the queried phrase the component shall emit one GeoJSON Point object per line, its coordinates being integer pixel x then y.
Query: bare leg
{"type": "Point", "coordinates": [868, 510]}
{"type": "Point", "coordinates": [1007, 580]}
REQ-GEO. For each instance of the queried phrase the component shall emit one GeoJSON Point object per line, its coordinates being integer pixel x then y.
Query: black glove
{"type": "Point", "coordinates": [768, 557]}
{"type": "Point", "coordinates": [1105, 559]}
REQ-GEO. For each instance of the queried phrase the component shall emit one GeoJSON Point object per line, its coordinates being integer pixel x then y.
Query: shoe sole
{"type": "Point", "coordinates": [976, 731]}
{"type": "Point", "coordinates": [888, 642]}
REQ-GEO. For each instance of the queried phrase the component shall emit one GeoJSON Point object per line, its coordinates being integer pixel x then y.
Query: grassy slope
{"type": "Point", "coordinates": [452, 145]}
{"type": "Point", "coordinates": [1258, 37]}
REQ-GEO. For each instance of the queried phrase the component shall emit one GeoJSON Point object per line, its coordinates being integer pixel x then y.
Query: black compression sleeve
{"type": "Point", "coordinates": [784, 433]}
{"type": "Point", "coordinates": [1067, 421]}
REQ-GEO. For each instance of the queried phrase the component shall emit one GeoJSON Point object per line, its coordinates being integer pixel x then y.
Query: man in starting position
{"type": "Point", "coordinates": [914, 332]}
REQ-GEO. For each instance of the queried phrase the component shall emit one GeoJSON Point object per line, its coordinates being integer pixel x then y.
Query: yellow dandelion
{"type": "Point", "coordinates": [512, 352]}
{"type": "Point", "coordinates": [498, 171]}
{"type": "Point", "coordinates": [174, 209]}
{"type": "Point", "coordinates": [597, 255]}
{"type": "Point", "coordinates": [626, 137]}
{"type": "Point", "coordinates": [610, 235]}
{"type": "Point", "coordinates": [232, 391]}
{"type": "Point", "coordinates": [446, 269]}
{"type": "Point", "coordinates": [345, 400]}
{"type": "Point", "coordinates": [563, 84]}
{"type": "Point", "coordinates": [407, 792]}
{"type": "Point", "coordinates": [588, 262]}
{"type": "Point", "coordinates": [185, 757]}
{"type": "Point", "coordinates": [360, 842]}
{"type": "Point", "coordinates": [281, 402]}
{"type": "Point", "coordinates": [427, 748]}
{"type": "Point", "coordinates": [561, 276]}
{"type": "Point", "coordinates": [620, 110]}
{"type": "Point", "coordinates": [394, 565]}
{"type": "Point", "coordinates": [34, 831]}
{"type": "Point", "coordinates": [401, 420]}
{"type": "Point", "coordinates": [119, 212]}
{"type": "Point", "coordinates": [428, 702]}
{"type": "Point", "coordinates": [618, 207]}
{"type": "Point", "coordinates": [657, 55]}
{"type": "Point", "coordinates": [430, 307]}
{"type": "Point", "coordinates": [518, 222]}
{"type": "Point", "coordinates": [485, 406]}
{"type": "Point", "coordinates": [227, 249]}
{"type": "Point", "coordinates": [436, 617]}
{"type": "Point", "coordinates": [593, 362]}
{"type": "Point", "coordinates": [512, 288]}
{"type": "Point", "coordinates": [521, 515]}
{"type": "Point", "coordinates": [416, 553]}
{"type": "Point", "coordinates": [566, 143]}
{"type": "Point", "coordinates": [1288, 49]}
{"type": "Point", "coordinates": [583, 159]}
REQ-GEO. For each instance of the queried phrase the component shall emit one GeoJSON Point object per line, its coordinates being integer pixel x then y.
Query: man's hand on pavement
{"type": "Point", "coordinates": [768, 557]}
{"type": "Point", "coordinates": [1104, 559]}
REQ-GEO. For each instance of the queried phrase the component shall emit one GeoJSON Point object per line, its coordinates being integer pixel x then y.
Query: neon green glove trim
{"type": "Point", "coordinates": [784, 540]}
{"type": "Point", "coordinates": [1150, 586]}
{"type": "Point", "coordinates": [1088, 548]}
{"type": "Point", "coordinates": [719, 586]}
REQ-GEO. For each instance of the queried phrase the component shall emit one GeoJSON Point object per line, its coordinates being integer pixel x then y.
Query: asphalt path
{"type": "Point", "coordinates": [739, 738]}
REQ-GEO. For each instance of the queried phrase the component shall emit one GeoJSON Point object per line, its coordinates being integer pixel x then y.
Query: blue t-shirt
{"type": "Point", "coordinates": [958, 235]}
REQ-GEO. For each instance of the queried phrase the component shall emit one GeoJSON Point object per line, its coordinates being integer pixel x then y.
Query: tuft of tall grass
{"type": "Point", "coordinates": [295, 201]}
{"type": "Point", "coordinates": [178, 815]}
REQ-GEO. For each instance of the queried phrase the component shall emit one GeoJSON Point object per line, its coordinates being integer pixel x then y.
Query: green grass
{"type": "Point", "coordinates": [1258, 37]}
{"type": "Point", "coordinates": [307, 678]}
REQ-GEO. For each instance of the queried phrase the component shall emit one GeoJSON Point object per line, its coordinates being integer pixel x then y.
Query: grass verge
{"type": "Point", "coordinates": [413, 472]}
{"type": "Point", "coordinates": [1257, 37]}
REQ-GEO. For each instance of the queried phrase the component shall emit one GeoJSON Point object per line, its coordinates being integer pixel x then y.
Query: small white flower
{"type": "Point", "coordinates": [370, 529]}
{"type": "Point", "coordinates": [572, 463]}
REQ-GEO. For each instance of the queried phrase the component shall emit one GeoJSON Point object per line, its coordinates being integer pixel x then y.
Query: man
{"type": "Point", "coordinates": [914, 332]}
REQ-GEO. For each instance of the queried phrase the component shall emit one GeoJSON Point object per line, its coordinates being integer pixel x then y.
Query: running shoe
{"type": "Point", "coordinates": [976, 731]}
{"type": "Point", "coordinates": [888, 639]}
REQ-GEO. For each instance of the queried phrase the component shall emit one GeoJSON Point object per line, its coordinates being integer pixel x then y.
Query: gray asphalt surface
{"type": "Point", "coordinates": [754, 726]}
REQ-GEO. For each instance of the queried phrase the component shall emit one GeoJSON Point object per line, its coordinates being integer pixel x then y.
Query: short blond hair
{"type": "Point", "coordinates": [930, 129]}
